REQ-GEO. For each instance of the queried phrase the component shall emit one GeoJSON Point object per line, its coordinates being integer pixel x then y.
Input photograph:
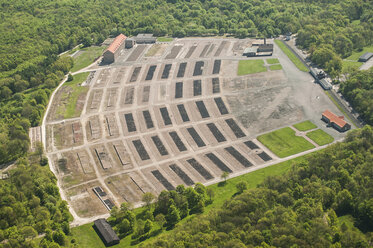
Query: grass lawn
{"type": "Point", "coordinates": [165, 39]}
{"type": "Point", "coordinates": [305, 126]}
{"type": "Point", "coordinates": [272, 61]}
{"type": "Point", "coordinates": [275, 67]}
{"type": "Point", "coordinates": [85, 236]}
{"type": "Point", "coordinates": [87, 57]}
{"type": "Point", "coordinates": [283, 142]}
{"type": "Point", "coordinates": [292, 56]}
{"type": "Point", "coordinates": [349, 65]}
{"type": "Point", "coordinates": [320, 137]}
{"type": "Point", "coordinates": [355, 55]}
{"type": "Point", "coordinates": [77, 90]}
{"type": "Point", "coordinates": [250, 66]}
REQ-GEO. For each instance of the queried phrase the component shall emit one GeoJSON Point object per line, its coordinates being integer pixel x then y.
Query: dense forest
{"type": "Point", "coordinates": [35, 32]}
{"type": "Point", "coordinates": [299, 209]}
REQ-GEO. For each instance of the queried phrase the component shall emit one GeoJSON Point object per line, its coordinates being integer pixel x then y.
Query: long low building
{"type": "Point", "coordinates": [106, 233]}
{"type": "Point", "coordinates": [335, 121]}
{"type": "Point", "coordinates": [365, 57]}
{"type": "Point", "coordinates": [113, 51]}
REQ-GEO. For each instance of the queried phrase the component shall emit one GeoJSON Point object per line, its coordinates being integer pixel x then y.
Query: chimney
{"type": "Point", "coordinates": [265, 41]}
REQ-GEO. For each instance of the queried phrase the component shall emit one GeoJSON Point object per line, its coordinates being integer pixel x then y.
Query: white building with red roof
{"type": "Point", "coordinates": [113, 51]}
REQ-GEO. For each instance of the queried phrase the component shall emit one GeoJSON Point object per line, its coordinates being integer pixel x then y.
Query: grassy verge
{"type": "Point", "coordinates": [165, 39]}
{"type": "Point", "coordinates": [291, 56]}
{"type": "Point", "coordinates": [275, 67]}
{"type": "Point", "coordinates": [70, 109]}
{"type": "Point", "coordinates": [272, 61]}
{"type": "Point", "coordinates": [320, 137]}
{"type": "Point", "coordinates": [283, 142]}
{"type": "Point", "coordinates": [87, 57]}
{"type": "Point", "coordinates": [85, 236]}
{"type": "Point", "coordinates": [305, 126]}
{"type": "Point", "coordinates": [250, 66]}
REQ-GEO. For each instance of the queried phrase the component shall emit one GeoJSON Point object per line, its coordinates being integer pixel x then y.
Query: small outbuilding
{"type": "Point", "coordinates": [145, 39]}
{"type": "Point", "coordinates": [335, 121]}
{"type": "Point", "coordinates": [250, 51]}
{"type": "Point", "coordinates": [365, 57]}
{"type": "Point", "coordinates": [113, 51]}
{"type": "Point", "coordinates": [106, 233]}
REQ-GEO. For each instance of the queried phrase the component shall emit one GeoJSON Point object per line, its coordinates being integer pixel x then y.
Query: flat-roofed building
{"type": "Point", "coordinates": [113, 51]}
{"type": "Point", "coordinates": [365, 57]}
{"type": "Point", "coordinates": [250, 51]}
{"type": "Point", "coordinates": [325, 84]}
{"type": "Point", "coordinates": [335, 121]}
{"type": "Point", "coordinates": [145, 39]}
{"type": "Point", "coordinates": [106, 233]}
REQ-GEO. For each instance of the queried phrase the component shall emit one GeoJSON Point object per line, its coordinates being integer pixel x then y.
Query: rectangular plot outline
{"type": "Point", "coordinates": [159, 144]}
{"type": "Point", "coordinates": [165, 116]}
{"type": "Point", "coordinates": [235, 128]}
{"type": "Point", "coordinates": [221, 106]}
{"type": "Point", "coordinates": [216, 68]}
{"type": "Point", "coordinates": [204, 50]}
{"type": "Point", "coordinates": [181, 174]}
{"type": "Point", "coordinates": [210, 50]}
{"type": "Point", "coordinates": [216, 132]}
{"type": "Point", "coordinates": [264, 156]}
{"type": "Point", "coordinates": [215, 85]}
{"type": "Point", "coordinates": [202, 109]}
{"type": "Point", "coordinates": [196, 137]}
{"type": "Point", "coordinates": [146, 93]}
{"type": "Point", "coordinates": [197, 87]}
{"type": "Point", "coordinates": [166, 71]}
{"type": "Point", "coordinates": [175, 50]}
{"type": "Point", "coordinates": [102, 158]}
{"type": "Point", "coordinates": [190, 51]}
{"type": "Point", "coordinates": [183, 112]}
{"type": "Point", "coordinates": [178, 142]}
{"type": "Point", "coordinates": [158, 175]}
{"type": "Point", "coordinates": [119, 156]}
{"type": "Point", "coordinates": [220, 48]}
{"type": "Point", "coordinates": [182, 68]}
{"type": "Point", "coordinates": [141, 151]}
{"type": "Point", "coordinates": [238, 156]}
{"type": "Point", "coordinates": [130, 93]}
{"type": "Point", "coordinates": [131, 127]}
{"type": "Point", "coordinates": [150, 73]}
{"type": "Point", "coordinates": [179, 90]}
{"type": "Point", "coordinates": [220, 164]}
{"type": "Point", "coordinates": [198, 68]}
{"type": "Point", "coordinates": [148, 119]}
{"type": "Point", "coordinates": [251, 145]}
{"type": "Point", "coordinates": [200, 169]}
{"type": "Point", "coordinates": [135, 74]}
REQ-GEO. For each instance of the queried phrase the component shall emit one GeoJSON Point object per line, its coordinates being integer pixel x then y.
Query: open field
{"type": "Point", "coordinates": [165, 39]}
{"type": "Point", "coordinates": [291, 56]}
{"type": "Point", "coordinates": [86, 57]}
{"type": "Point", "coordinates": [272, 61]}
{"type": "Point", "coordinates": [348, 65]}
{"type": "Point", "coordinates": [320, 137]}
{"type": "Point", "coordinates": [305, 126]}
{"type": "Point", "coordinates": [283, 142]}
{"type": "Point", "coordinates": [250, 66]}
{"type": "Point", "coordinates": [275, 67]}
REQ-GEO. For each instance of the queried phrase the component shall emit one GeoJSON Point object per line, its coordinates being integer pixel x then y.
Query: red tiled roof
{"type": "Point", "coordinates": [116, 43]}
{"type": "Point", "coordinates": [338, 120]}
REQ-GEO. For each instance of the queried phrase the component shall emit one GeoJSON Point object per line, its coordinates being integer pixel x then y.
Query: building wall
{"type": "Point", "coordinates": [109, 57]}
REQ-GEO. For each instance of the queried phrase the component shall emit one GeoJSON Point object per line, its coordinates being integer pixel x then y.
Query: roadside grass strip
{"type": "Point", "coordinates": [87, 57]}
{"type": "Point", "coordinates": [165, 39]}
{"type": "Point", "coordinates": [273, 61]}
{"type": "Point", "coordinates": [291, 56]}
{"type": "Point", "coordinates": [275, 67]}
{"type": "Point", "coordinates": [320, 137]}
{"type": "Point", "coordinates": [305, 126]}
{"type": "Point", "coordinates": [284, 143]}
{"type": "Point", "coordinates": [250, 66]}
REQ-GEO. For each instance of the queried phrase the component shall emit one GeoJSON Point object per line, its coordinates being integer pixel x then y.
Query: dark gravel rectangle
{"type": "Point", "coordinates": [197, 88]}
{"type": "Point", "coordinates": [165, 116]}
{"type": "Point", "coordinates": [220, 48]}
{"type": "Point", "coordinates": [182, 68]}
{"type": "Point", "coordinates": [159, 144]}
{"type": "Point", "coordinates": [130, 122]}
{"type": "Point", "coordinates": [216, 132]}
{"type": "Point", "coordinates": [222, 166]}
{"type": "Point", "coordinates": [178, 142]}
{"type": "Point", "coordinates": [204, 50]}
{"type": "Point", "coordinates": [157, 174]}
{"type": "Point", "coordinates": [129, 95]}
{"type": "Point", "coordinates": [221, 106]}
{"type": "Point", "coordinates": [148, 119]}
{"type": "Point", "coordinates": [190, 52]}
{"type": "Point", "coordinates": [178, 171]}
{"type": "Point", "coordinates": [135, 74]}
{"type": "Point", "coordinates": [198, 68]}
{"type": "Point", "coordinates": [251, 145]}
{"type": "Point", "coordinates": [174, 52]}
{"type": "Point", "coordinates": [238, 156]}
{"type": "Point", "coordinates": [201, 170]}
{"type": "Point", "coordinates": [150, 74]}
{"type": "Point", "coordinates": [141, 149]}
{"type": "Point", "coordinates": [166, 71]}
{"type": "Point", "coordinates": [217, 64]}
{"type": "Point", "coordinates": [179, 90]}
{"type": "Point", "coordinates": [210, 50]}
{"type": "Point", "coordinates": [196, 137]}
{"type": "Point", "coordinates": [136, 53]}
{"type": "Point", "coordinates": [235, 128]}
{"type": "Point", "coordinates": [183, 113]}
{"type": "Point", "coordinates": [109, 203]}
{"type": "Point", "coordinates": [146, 93]}
{"type": "Point", "coordinates": [264, 156]}
{"type": "Point", "coordinates": [202, 109]}
{"type": "Point", "coordinates": [215, 86]}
